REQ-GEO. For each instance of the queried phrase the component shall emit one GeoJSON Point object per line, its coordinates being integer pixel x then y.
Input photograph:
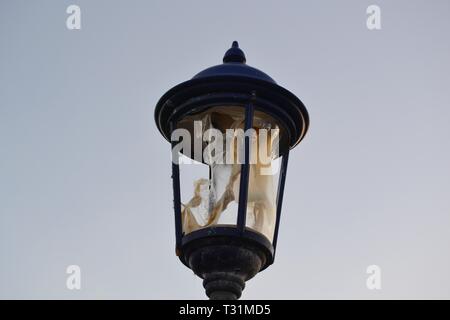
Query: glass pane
{"type": "Point", "coordinates": [194, 191]}
{"type": "Point", "coordinates": [210, 191]}
{"type": "Point", "coordinates": [210, 185]}
{"type": "Point", "coordinates": [262, 198]}
{"type": "Point", "coordinates": [264, 172]}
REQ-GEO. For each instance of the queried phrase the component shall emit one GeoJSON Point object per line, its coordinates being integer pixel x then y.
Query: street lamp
{"type": "Point", "coordinates": [226, 227]}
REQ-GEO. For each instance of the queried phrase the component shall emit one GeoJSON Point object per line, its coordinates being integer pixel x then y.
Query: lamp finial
{"type": "Point", "coordinates": [234, 54]}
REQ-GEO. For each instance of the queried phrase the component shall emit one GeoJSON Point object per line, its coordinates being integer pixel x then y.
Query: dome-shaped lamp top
{"type": "Point", "coordinates": [232, 82]}
{"type": "Point", "coordinates": [234, 64]}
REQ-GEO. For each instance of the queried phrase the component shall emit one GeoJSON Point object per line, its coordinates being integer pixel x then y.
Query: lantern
{"type": "Point", "coordinates": [231, 128]}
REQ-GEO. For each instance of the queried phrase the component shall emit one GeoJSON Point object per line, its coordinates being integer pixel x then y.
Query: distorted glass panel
{"type": "Point", "coordinates": [194, 192]}
{"type": "Point", "coordinates": [262, 198]}
{"type": "Point", "coordinates": [210, 196]}
{"type": "Point", "coordinates": [210, 185]}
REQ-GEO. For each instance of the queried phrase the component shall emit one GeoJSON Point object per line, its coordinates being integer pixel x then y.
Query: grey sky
{"type": "Point", "coordinates": [85, 175]}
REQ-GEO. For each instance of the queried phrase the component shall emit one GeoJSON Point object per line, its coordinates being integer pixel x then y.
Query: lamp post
{"type": "Point", "coordinates": [227, 232]}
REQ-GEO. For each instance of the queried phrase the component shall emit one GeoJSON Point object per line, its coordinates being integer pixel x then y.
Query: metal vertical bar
{"type": "Point", "coordinates": [245, 168]}
{"type": "Point", "coordinates": [176, 193]}
{"type": "Point", "coordinates": [281, 182]}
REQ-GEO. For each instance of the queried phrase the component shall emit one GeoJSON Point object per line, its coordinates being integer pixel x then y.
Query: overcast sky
{"type": "Point", "coordinates": [85, 174]}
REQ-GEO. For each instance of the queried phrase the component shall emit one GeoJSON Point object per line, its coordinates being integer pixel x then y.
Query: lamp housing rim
{"type": "Point", "coordinates": [233, 89]}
